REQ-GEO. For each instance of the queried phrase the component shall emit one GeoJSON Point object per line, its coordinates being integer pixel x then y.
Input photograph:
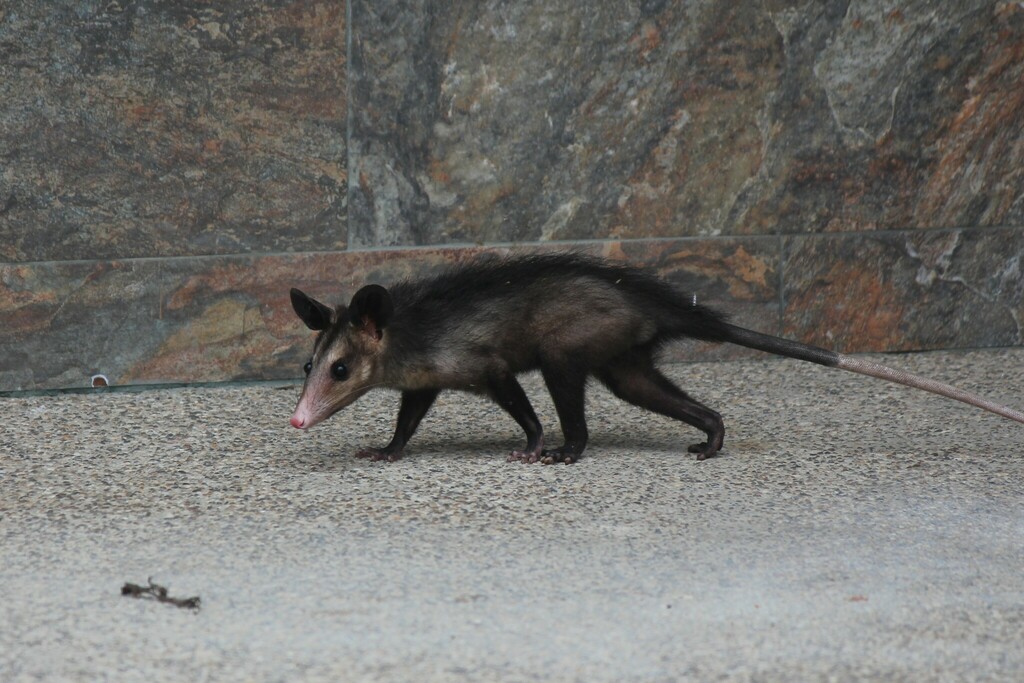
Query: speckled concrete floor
{"type": "Point", "coordinates": [850, 529]}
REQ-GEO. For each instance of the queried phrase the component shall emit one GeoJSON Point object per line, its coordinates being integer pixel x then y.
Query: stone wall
{"type": "Point", "coordinates": [850, 174]}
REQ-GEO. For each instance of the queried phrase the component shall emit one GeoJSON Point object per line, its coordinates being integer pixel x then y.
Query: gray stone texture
{"type": "Point", "coordinates": [905, 291]}
{"type": "Point", "coordinates": [483, 121]}
{"type": "Point", "coordinates": [846, 173]}
{"type": "Point", "coordinates": [154, 129]}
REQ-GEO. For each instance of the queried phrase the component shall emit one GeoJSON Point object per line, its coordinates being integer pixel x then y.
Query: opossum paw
{"type": "Point", "coordinates": [523, 456]}
{"type": "Point", "coordinates": [702, 450]}
{"type": "Point", "coordinates": [379, 454]}
{"type": "Point", "coordinates": [559, 455]}
{"type": "Point", "coordinates": [528, 456]}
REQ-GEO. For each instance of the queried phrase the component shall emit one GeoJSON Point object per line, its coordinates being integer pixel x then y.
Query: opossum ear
{"type": "Point", "coordinates": [371, 309]}
{"type": "Point", "coordinates": [316, 315]}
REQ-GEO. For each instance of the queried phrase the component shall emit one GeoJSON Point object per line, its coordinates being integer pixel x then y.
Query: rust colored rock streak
{"type": "Point", "coordinates": [909, 291]}
{"type": "Point", "coordinates": [220, 318]}
{"type": "Point", "coordinates": [561, 120]}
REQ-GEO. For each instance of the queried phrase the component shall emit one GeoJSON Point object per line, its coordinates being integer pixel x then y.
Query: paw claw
{"type": "Point", "coordinates": [523, 456]}
{"type": "Point", "coordinates": [378, 455]}
{"type": "Point", "coordinates": [703, 450]}
{"type": "Point", "coordinates": [563, 455]}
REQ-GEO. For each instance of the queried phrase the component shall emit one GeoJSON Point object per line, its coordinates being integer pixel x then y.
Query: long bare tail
{"type": "Point", "coordinates": [814, 354]}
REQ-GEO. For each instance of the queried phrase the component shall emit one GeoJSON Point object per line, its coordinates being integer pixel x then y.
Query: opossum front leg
{"type": "Point", "coordinates": [415, 405]}
{"type": "Point", "coordinates": [633, 378]}
{"type": "Point", "coordinates": [567, 384]}
{"type": "Point", "coordinates": [509, 394]}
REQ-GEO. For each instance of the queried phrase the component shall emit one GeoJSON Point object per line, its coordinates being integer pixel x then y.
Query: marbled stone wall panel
{"type": "Point", "coordinates": [489, 121]}
{"type": "Point", "coordinates": [499, 121]}
{"type": "Point", "coordinates": [65, 321]}
{"type": "Point", "coordinates": [222, 318]}
{"type": "Point", "coordinates": [154, 129]}
{"type": "Point", "coordinates": [170, 320]}
{"type": "Point", "coordinates": [905, 291]}
{"type": "Point", "coordinates": [898, 115]}
{"type": "Point", "coordinates": [885, 139]}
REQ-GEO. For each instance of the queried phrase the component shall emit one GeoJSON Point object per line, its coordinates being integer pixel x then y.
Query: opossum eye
{"type": "Point", "coordinates": [339, 371]}
{"type": "Point", "coordinates": [307, 367]}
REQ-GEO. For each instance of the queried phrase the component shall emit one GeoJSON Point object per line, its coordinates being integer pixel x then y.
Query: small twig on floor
{"type": "Point", "coordinates": [158, 593]}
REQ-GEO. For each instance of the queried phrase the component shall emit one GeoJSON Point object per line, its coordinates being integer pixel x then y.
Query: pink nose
{"type": "Point", "coordinates": [298, 422]}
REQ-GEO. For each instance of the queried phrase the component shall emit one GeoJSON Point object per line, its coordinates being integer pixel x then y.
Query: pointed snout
{"type": "Point", "coordinates": [301, 418]}
{"type": "Point", "coordinates": [313, 408]}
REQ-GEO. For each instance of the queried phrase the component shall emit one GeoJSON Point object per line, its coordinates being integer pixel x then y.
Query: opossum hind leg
{"type": "Point", "coordinates": [567, 383]}
{"type": "Point", "coordinates": [509, 394]}
{"type": "Point", "coordinates": [633, 378]}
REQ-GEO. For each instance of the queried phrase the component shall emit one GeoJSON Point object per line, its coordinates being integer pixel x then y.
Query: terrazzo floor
{"type": "Point", "coordinates": [850, 529]}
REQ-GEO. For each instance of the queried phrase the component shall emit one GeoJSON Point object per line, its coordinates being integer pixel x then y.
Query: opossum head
{"type": "Point", "coordinates": [346, 360]}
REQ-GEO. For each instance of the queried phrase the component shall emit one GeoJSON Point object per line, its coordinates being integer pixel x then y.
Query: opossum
{"type": "Point", "coordinates": [477, 326]}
